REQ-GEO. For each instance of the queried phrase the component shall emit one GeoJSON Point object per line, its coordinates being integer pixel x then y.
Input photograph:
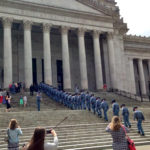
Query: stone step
{"type": "Point", "coordinates": [75, 135]}
{"type": "Point", "coordinates": [78, 129]}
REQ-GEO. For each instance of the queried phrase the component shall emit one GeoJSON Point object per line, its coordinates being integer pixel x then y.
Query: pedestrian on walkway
{"type": "Point", "coordinates": [38, 100]}
{"type": "Point", "coordinates": [138, 115]}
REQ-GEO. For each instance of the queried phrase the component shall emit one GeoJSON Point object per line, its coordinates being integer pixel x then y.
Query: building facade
{"type": "Point", "coordinates": [71, 42]}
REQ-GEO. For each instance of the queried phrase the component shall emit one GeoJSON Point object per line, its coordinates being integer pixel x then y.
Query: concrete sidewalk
{"type": "Point", "coordinates": [146, 147]}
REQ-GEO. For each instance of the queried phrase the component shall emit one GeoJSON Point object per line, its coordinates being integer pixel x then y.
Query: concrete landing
{"type": "Point", "coordinates": [147, 147]}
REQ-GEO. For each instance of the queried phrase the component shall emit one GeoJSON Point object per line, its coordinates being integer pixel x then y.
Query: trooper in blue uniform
{"type": "Point", "coordinates": [76, 101]}
{"type": "Point", "coordinates": [125, 114]}
{"type": "Point", "coordinates": [93, 103]}
{"type": "Point", "coordinates": [138, 115]}
{"type": "Point", "coordinates": [98, 107]}
{"type": "Point", "coordinates": [87, 98]}
{"type": "Point", "coordinates": [83, 106]}
{"type": "Point", "coordinates": [105, 107]}
{"type": "Point", "coordinates": [79, 101]}
{"type": "Point", "coordinates": [115, 107]}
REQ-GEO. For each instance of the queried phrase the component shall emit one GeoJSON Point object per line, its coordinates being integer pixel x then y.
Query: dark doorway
{"type": "Point", "coordinates": [59, 74]}
{"type": "Point", "coordinates": [102, 37]}
{"type": "Point", "coordinates": [34, 70]}
{"type": "Point", "coordinates": [137, 77]}
{"type": "Point", "coordinates": [43, 70]}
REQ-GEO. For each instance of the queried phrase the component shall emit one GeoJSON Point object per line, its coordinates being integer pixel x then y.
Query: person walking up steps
{"type": "Point", "coordinates": [125, 114]}
{"type": "Point", "coordinates": [115, 107]}
{"type": "Point", "coordinates": [138, 115]}
{"type": "Point", "coordinates": [105, 107]}
{"type": "Point", "coordinates": [116, 129]}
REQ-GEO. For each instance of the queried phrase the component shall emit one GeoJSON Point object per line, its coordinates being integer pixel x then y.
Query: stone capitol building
{"type": "Point", "coordinates": [71, 42]}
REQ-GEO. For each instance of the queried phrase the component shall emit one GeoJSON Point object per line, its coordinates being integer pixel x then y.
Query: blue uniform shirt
{"type": "Point", "coordinates": [138, 115]}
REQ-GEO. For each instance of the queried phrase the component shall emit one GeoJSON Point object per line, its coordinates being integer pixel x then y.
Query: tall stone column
{"type": "Point", "coordinates": [131, 86]}
{"type": "Point", "coordinates": [142, 77]}
{"type": "Point", "coordinates": [82, 59]}
{"type": "Point", "coordinates": [97, 59]}
{"type": "Point", "coordinates": [7, 22]}
{"type": "Point", "coordinates": [149, 68]}
{"type": "Point", "coordinates": [111, 59]}
{"type": "Point", "coordinates": [47, 54]}
{"type": "Point", "coordinates": [65, 58]}
{"type": "Point", "coordinates": [28, 53]}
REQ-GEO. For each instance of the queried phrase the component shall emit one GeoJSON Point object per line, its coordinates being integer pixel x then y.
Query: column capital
{"type": "Point", "coordinates": [64, 29]}
{"type": "Point", "coordinates": [110, 35]}
{"type": "Point", "coordinates": [96, 33]}
{"type": "Point", "coordinates": [130, 58]}
{"type": "Point", "coordinates": [47, 27]}
{"type": "Point", "coordinates": [7, 21]}
{"type": "Point", "coordinates": [27, 24]}
{"type": "Point", "coordinates": [81, 31]}
{"type": "Point", "coordinates": [140, 59]}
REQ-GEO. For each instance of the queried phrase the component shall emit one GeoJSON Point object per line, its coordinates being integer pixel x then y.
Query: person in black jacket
{"type": "Point", "coordinates": [31, 89]}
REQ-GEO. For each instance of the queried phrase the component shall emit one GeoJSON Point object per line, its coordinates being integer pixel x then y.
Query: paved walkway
{"type": "Point", "coordinates": [147, 147]}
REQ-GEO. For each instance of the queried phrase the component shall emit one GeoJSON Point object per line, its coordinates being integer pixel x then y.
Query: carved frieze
{"type": "Point", "coordinates": [134, 38]}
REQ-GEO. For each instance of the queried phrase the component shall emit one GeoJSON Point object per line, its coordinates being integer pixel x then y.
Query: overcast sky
{"type": "Point", "coordinates": [136, 14]}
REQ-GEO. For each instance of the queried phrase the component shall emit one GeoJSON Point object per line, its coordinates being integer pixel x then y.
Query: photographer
{"type": "Point", "coordinates": [37, 141]}
{"type": "Point", "coordinates": [13, 132]}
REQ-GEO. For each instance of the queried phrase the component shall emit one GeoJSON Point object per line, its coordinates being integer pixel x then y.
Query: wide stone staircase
{"type": "Point", "coordinates": [82, 130]}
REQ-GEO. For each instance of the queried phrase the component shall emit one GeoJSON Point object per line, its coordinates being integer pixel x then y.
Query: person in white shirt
{"type": "Point", "coordinates": [37, 141]}
{"type": "Point", "coordinates": [25, 101]}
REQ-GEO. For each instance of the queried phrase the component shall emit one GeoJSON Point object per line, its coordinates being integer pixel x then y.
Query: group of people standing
{"type": "Point", "coordinates": [16, 87]}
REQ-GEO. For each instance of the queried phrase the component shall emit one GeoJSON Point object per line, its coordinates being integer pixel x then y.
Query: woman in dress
{"type": "Point", "coordinates": [116, 129]}
{"type": "Point", "coordinates": [13, 133]}
{"type": "Point", "coordinates": [8, 99]}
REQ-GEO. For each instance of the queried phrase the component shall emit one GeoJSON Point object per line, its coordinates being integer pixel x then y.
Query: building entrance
{"type": "Point", "coordinates": [34, 70]}
{"type": "Point", "coordinates": [59, 74]}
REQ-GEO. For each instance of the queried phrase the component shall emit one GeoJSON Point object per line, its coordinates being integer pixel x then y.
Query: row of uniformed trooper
{"type": "Point", "coordinates": [89, 101]}
{"type": "Point", "coordinates": [77, 101]}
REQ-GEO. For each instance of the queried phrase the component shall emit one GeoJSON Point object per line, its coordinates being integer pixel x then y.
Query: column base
{"type": "Point", "coordinates": [68, 90]}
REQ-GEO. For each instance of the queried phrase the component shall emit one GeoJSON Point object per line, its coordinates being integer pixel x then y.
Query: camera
{"type": "Point", "coordinates": [48, 131]}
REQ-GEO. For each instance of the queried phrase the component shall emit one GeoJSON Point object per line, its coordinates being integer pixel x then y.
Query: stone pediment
{"type": "Point", "coordinates": [72, 5]}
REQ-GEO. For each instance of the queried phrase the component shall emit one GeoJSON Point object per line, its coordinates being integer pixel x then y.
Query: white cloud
{"type": "Point", "coordinates": [136, 15]}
